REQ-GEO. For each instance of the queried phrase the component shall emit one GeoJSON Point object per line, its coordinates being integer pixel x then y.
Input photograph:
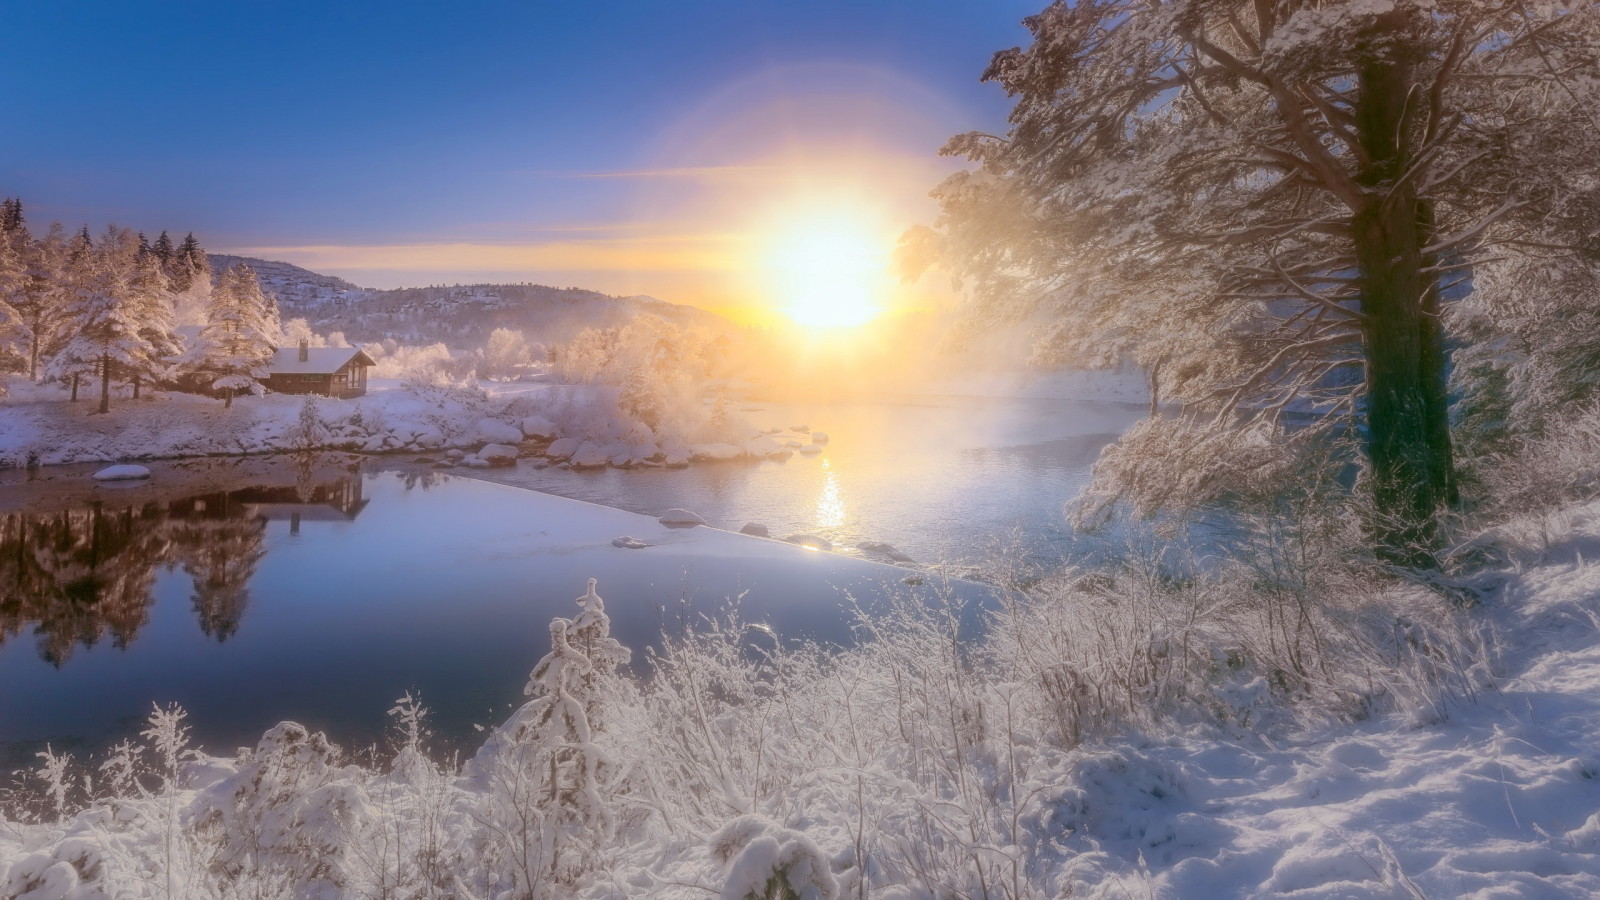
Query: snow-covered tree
{"type": "Point", "coordinates": [189, 265]}
{"type": "Point", "coordinates": [310, 432]}
{"type": "Point", "coordinates": [504, 353]}
{"type": "Point", "coordinates": [41, 297]}
{"type": "Point", "coordinates": [1265, 205]}
{"type": "Point", "coordinates": [119, 315]}
{"type": "Point", "coordinates": [237, 342]}
{"type": "Point", "coordinates": [547, 769]}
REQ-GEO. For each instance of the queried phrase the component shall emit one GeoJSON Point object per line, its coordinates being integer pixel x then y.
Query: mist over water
{"type": "Point", "coordinates": [944, 479]}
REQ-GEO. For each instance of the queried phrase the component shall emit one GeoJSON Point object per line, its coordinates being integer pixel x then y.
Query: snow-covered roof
{"type": "Point", "coordinates": [319, 361]}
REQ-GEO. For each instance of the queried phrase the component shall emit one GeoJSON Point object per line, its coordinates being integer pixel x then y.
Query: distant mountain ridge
{"type": "Point", "coordinates": [456, 315]}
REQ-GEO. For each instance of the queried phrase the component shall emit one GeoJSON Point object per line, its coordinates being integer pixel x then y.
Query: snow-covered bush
{"type": "Point", "coordinates": [548, 772]}
{"type": "Point", "coordinates": [309, 432]}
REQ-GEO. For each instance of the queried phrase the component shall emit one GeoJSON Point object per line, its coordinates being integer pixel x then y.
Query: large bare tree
{"type": "Point", "coordinates": [1265, 203]}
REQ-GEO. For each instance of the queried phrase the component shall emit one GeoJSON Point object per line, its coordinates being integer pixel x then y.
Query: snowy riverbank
{"type": "Point", "coordinates": [875, 771]}
{"type": "Point", "coordinates": [565, 425]}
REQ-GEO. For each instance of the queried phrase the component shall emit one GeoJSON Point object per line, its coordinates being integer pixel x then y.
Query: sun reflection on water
{"type": "Point", "coordinates": [830, 504]}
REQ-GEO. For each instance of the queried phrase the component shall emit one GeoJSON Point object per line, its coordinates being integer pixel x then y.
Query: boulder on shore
{"type": "Point", "coordinates": [494, 431]}
{"type": "Point", "coordinates": [124, 472]}
{"type": "Point", "coordinates": [538, 428]}
{"type": "Point", "coordinates": [756, 529]}
{"type": "Point", "coordinates": [718, 452]}
{"type": "Point", "coordinates": [563, 448]}
{"type": "Point", "coordinates": [499, 455]}
{"type": "Point", "coordinates": [589, 455]}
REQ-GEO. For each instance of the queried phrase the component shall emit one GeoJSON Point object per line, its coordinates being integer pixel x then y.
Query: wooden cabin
{"type": "Point", "coordinates": [330, 371]}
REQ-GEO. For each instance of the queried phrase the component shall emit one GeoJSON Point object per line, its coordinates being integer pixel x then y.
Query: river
{"type": "Point", "coordinates": [260, 589]}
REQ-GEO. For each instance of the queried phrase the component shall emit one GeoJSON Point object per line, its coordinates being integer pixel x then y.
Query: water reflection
{"type": "Point", "coordinates": [830, 506]}
{"type": "Point", "coordinates": [73, 578]}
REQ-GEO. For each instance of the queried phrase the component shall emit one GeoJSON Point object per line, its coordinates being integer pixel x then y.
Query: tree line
{"type": "Point", "coordinates": [78, 308]}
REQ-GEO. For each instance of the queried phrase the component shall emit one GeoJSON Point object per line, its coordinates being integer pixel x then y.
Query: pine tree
{"type": "Point", "coordinates": [11, 215]}
{"type": "Point", "coordinates": [237, 341]}
{"type": "Point", "coordinates": [189, 265]}
{"type": "Point", "coordinates": [164, 252]}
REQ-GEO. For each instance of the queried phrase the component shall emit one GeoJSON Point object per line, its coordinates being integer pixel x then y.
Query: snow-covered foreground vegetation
{"type": "Point", "coordinates": [1284, 722]}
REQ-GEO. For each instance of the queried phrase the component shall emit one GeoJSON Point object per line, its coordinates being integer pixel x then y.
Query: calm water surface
{"type": "Point", "coordinates": [254, 591]}
{"type": "Point", "coordinates": [944, 479]}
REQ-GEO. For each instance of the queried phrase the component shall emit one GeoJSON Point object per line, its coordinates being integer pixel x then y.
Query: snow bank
{"type": "Point", "coordinates": [401, 418]}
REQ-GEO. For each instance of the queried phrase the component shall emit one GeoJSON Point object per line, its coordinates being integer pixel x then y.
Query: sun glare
{"type": "Point", "coordinates": [828, 269]}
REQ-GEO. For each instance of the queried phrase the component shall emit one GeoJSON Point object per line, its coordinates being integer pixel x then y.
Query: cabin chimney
{"type": "Point", "coordinates": [305, 350]}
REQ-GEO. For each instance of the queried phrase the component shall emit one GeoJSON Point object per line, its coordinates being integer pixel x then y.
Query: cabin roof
{"type": "Point", "coordinates": [319, 361]}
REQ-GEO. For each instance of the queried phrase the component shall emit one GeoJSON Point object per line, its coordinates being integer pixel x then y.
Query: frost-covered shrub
{"type": "Point", "coordinates": [548, 771]}
{"type": "Point", "coordinates": [765, 861]}
{"type": "Point", "coordinates": [309, 431]}
{"type": "Point", "coordinates": [284, 814]}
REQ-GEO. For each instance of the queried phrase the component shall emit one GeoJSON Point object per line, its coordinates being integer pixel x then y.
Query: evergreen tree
{"type": "Point", "coordinates": [164, 252]}
{"type": "Point", "coordinates": [11, 216]}
{"type": "Point", "coordinates": [237, 341]}
{"type": "Point", "coordinates": [189, 265]}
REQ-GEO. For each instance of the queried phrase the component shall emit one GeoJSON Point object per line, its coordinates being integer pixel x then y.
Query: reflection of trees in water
{"type": "Point", "coordinates": [220, 548]}
{"type": "Point", "coordinates": [78, 576]}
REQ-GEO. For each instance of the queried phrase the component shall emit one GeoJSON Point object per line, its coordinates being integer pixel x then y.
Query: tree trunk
{"type": "Point", "coordinates": [105, 383]}
{"type": "Point", "coordinates": [74, 387]}
{"type": "Point", "coordinates": [33, 356]}
{"type": "Point", "coordinates": [1408, 433]}
{"type": "Point", "coordinates": [135, 387]}
{"type": "Point", "coordinates": [227, 398]}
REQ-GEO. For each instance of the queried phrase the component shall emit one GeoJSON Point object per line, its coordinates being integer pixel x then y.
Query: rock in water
{"type": "Point", "coordinates": [628, 543]}
{"type": "Point", "coordinates": [121, 473]}
{"type": "Point", "coordinates": [756, 529]}
{"type": "Point", "coordinates": [814, 541]}
{"type": "Point", "coordinates": [881, 549]}
{"type": "Point", "coordinates": [680, 518]}
{"type": "Point", "coordinates": [818, 437]}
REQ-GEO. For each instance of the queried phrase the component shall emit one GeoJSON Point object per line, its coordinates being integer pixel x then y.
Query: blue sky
{"type": "Point", "coordinates": [490, 126]}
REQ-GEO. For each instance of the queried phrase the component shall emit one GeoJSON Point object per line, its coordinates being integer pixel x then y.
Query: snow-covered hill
{"type": "Point", "coordinates": [300, 292]}
{"type": "Point", "coordinates": [456, 315]}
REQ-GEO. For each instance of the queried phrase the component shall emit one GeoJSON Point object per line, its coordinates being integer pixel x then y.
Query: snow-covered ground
{"type": "Point", "coordinates": [717, 780]}
{"type": "Point", "coordinates": [38, 427]}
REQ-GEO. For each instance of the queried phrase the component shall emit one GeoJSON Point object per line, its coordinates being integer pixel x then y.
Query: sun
{"type": "Point", "coordinates": [828, 268]}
